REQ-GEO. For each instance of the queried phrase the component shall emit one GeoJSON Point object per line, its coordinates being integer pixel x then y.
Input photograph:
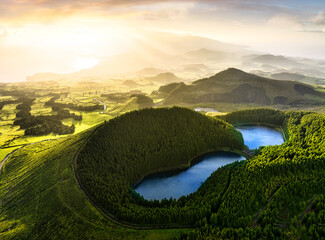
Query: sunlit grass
{"type": "Point", "coordinates": [40, 198]}
{"type": "Point", "coordinates": [89, 119]}
{"type": "Point", "coordinates": [5, 151]}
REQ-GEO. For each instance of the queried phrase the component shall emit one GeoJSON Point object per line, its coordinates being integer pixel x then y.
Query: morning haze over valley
{"type": "Point", "coordinates": [162, 119]}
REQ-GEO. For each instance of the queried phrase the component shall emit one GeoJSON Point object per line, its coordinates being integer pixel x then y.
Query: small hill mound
{"type": "Point", "coordinates": [131, 84]}
{"type": "Point", "coordinates": [149, 71]}
{"type": "Point", "coordinates": [170, 87]}
{"type": "Point", "coordinates": [164, 78]}
{"type": "Point", "coordinates": [143, 100]}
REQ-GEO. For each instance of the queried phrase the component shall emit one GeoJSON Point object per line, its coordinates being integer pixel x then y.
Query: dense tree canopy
{"type": "Point", "coordinates": [124, 150]}
{"type": "Point", "coordinates": [72, 106]}
{"type": "Point", "coordinates": [42, 125]}
{"type": "Point", "coordinates": [277, 194]}
{"type": "Point", "coordinates": [274, 195]}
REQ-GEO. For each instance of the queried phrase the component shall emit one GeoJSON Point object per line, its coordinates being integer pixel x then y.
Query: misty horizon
{"type": "Point", "coordinates": [66, 37]}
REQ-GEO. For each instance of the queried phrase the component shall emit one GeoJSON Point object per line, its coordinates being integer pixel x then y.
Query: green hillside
{"type": "Point", "coordinates": [41, 199]}
{"type": "Point", "coordinates": [278, 194]}
{"type": "Point", "coordinates": [235, 86]}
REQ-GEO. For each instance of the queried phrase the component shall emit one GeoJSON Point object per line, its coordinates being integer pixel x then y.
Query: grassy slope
{"type": "Point", "coordinates": [120, 108]}
{"type": "Point", "coordinates": [13, 136]}
{"type": "Point", "coordinates": [7, 117]}
{"type": "Point", "coordinates": [40, 198]}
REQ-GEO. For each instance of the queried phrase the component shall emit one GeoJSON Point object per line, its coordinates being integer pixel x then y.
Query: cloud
{"type": "Point", "coordinates": [25, 11]}
{"type": "Point", "coordinates": [308, 22]}
{"type": "Point", "coordinates": [318, 19]}
{"type": "Point", "coordinates": [171, 11]}
{"type": "Point", "coordinates": [47, 11]}
{"type": "Point", "coordinates": [285, 20]}
{"type": "Point", "coordinates": [3, 31]}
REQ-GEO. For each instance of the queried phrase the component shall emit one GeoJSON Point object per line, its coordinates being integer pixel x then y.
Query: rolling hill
{"type": "Point", "coordinates": [272, 59]}
{"type": "Point", "coordinates": [164, 78]}
{"type": "Point", "coordinates": [236, 86]}
{"type": "Point", "coordinates": [298, 77]}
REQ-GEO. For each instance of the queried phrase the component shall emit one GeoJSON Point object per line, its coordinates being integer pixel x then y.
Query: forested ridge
{"type": "Point", "coordinates": [257, 115]}
{"type": "Point", "coordinates": [129, 147]}
{"type": "Point", "coordinates": [278, 194]}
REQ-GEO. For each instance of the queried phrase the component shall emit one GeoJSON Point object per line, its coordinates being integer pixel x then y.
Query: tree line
{"type": "Point", "coordinates": [269, 195]}
{"type": "Point", "coordinates": [129, 147]}
{"type": "Point", "coordinates": [42, 125]}
{"type": "Point", "coordinates": [277, 194]}
{"type": "Point", "coordinates": [72, 106]}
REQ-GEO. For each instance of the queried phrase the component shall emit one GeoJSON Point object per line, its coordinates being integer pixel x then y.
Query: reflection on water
{"type": "Point", "coordinates": [256, 136]}
{"type": "Point", "coordinates": [161, 186]}
{"type": "Point", "coordinates": [205, 110]}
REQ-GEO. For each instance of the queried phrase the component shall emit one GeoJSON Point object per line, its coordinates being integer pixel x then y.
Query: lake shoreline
{"type": "Point", "coordinates": [276, 127]}
{"type": "Point", "coordinates": [194, 160]}
{"type": "Point", "coordinates": [168, 172]}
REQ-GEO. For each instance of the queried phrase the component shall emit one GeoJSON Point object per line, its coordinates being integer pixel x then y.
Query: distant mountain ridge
{"type": "Point", "coordinates": [236, 86]}
{"type": "Point", "coordinates": [288, 76]}
{"type": "Point", "coordinates": [142, 59]}
{"type": "Point", "coordinates": [164, 78]}
{"type": "Point", "coordinates": [190, 58]}
{"type": "Point", "coordinates": [275, 59]}
{"type": "Point", "coordinates": [291, 76]}
{"type": "Point", "coordinates": [298, 77]}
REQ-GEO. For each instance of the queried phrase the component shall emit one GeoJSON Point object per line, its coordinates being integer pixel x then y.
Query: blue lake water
{"type": "Point", "coordinates": [205, 109]}
{"type": "Point", "coordinates": [166, 185]}
{"type": "Point", "coordinates": [256, 136]}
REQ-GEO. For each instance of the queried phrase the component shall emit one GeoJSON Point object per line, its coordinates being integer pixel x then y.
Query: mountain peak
{"type": "Point", "coordinates": [231, 72]}
{"type": "Point", "coordinates": [166, 77]}
{"type": "Point", "coordinates": [271, 56]}
{"type": "Point", "coordinates": [167, 74]}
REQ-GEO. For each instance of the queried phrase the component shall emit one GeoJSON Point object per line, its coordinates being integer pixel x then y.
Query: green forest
{"type": "Point", "coordinates": [263, 197]}
{"type": "Point", "coordinates": [277, 194]}
{"type": "Point", "coordinates": [125, 149]}
{"type": "Point", "coordinates": [274, 195]}
{"type": "Point", "coordinates": [42, 125]}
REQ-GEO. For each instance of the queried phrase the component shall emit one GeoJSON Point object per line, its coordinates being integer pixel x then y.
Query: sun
{"type": "Point", "coordinates": [84, 63]}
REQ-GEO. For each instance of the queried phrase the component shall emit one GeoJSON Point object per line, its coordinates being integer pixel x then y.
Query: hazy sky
{"type": "Point", "coordinates": [68, 35]}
